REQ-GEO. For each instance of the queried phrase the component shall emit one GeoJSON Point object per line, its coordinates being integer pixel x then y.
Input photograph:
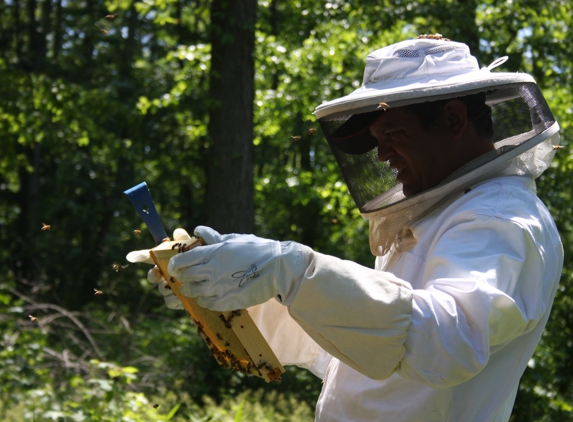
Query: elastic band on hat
{"type": "Point", "coordinates": [497, 62]}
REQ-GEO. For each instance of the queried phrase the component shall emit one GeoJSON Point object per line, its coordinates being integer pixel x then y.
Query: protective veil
{"type": "Point", "coordinates": [423, 70]}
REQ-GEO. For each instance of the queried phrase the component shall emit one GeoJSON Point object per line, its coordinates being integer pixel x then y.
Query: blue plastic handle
{"type": "Point", "coordinates": [141, 199]}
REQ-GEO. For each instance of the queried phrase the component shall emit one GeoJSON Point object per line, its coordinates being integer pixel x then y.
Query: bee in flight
{"type": "Point", "coordinates": [46, 227]}
{"type": "Point", "coordinates": [311, 131]}
{"type": "Point", "coordinates": [118, 267]}
{"type": "Point", "coordinates": [105, 24]}
{"type": "Point", "coordinates": [97, 292]}
{"type": "Point", "coordinates": [137, 231]}
{"type": "Point", "coordinates": [33, 318]}
{"type": "Point", "coordinates": [383, 106]}
{"type": "Point", "coordinates": [295, 138]}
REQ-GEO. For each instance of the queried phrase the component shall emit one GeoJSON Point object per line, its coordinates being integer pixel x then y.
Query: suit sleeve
{"type": "Point", "coordinates": [479, 295]}
{"type": "Point", "coordinates": [484, 286]}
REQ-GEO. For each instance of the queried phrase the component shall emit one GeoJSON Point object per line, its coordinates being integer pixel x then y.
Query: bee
{"type": "Point", "coordinates": [435, 36]}
{"type": "Point", "coordinates": [137, 231]}
{"type": "Point", "coordinates": [219, 336]}
{"type": "Point", "coordinates": [334, 221]}
{"type": "Point", "coordinates": [185, 248]}
{"type": "Point", "coordinates": [295, 138]}
{"type": "Point", "coordinates": [167, 239]}
{"type": "Point", "coordinates": [227, 344]}
{"type": "Point", "coordinates": [172, 279]}
{"type": "Point", "coordinates": [46, 227]}
{"type": "Point", "coordinates": [274, 374]}
{"type": "Point", "coordinates": [110, 17]}
{"type": "Point", "coordinates": [118, 267]}
{"type": "Point", "coordinates": [226, 321]}
{"type": "Point", "coordinates": [155, 406]}
{"type": "Point", "coordinates": [33, 318]}
{"type": "Point", "coordinates": [556, 147]}
{"type": "Point", "coordinates": [261, 365]}
{"type": "Point", "coordinates": [168, 287]}
{"type": "Point", "coordinates": [383, 106]}
{"type": "Point", "coordinates": [311, 131]}
{"type": "Point", "coordinates": [177, 245]}
{"type": "Point", "coordinates": [97, 292]}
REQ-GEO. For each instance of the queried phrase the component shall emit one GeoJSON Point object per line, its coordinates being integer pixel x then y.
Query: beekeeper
{"type": "Point", "coordinates": [440, 156]}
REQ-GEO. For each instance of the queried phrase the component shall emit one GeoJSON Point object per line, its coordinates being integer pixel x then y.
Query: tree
{"type": "Point", "coordinates": [231, 94]}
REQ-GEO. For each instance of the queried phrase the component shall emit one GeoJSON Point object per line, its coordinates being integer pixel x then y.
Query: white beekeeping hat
{"type": "Point", "coordinates": [430, 69]}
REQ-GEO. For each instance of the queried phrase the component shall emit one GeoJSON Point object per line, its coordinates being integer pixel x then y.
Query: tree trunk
{"type": "Point", "coordinates": [230, 203]}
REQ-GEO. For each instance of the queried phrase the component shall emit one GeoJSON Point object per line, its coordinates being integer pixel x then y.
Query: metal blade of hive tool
{"type": "Point", "coordinates": [141, 199]}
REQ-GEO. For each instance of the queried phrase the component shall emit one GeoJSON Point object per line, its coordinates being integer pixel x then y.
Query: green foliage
{"type": "Point", "coordinates": [91, 107]}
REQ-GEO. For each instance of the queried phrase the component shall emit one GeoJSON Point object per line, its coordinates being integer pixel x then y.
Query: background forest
{"type": "Point", "coordinates": [200, 99]}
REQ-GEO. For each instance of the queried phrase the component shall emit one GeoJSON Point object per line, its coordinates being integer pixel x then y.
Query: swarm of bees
{"type": "Point", "coordinates": [435, 36]}
{"type": "Point", "coordinates": [227, 321]}
{"type": "Point", "coordinates": [227, 359]}
{"type": "Point", "coordinates": [46, 227]}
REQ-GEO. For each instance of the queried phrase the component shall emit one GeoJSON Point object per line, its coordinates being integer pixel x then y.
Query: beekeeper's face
{"type": "Point", "coordinates": [424, 155]}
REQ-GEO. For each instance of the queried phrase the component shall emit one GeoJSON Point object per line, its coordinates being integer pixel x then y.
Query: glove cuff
{"type": "Point", "coordinates": [294, 260]}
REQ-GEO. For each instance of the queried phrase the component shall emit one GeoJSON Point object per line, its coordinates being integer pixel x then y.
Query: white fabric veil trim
{"type": "Point", "coordinates": [530, 158]}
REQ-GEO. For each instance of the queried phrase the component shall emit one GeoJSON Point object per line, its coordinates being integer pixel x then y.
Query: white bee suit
{"type": "Point", "coordinates": [446, 327]}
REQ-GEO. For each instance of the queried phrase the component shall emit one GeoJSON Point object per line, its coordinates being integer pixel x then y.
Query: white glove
{"type": "Point", "coordinates": [211, 236]}
{"type": "Point", "coordinates": [154, 275]}
{"type": "Point", "coordinates": [241, 271]}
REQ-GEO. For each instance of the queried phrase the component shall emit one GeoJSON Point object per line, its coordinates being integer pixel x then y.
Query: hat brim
{"type": "Point", "coordinates": [425, 89]}
{"type": "Point", "coordinates": [354, 137]}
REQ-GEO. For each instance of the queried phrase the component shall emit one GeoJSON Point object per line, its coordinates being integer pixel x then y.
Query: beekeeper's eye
{"type": "Point", "coordinates": [393, 135]}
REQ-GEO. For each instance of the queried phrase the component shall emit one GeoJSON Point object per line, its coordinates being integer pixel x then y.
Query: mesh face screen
{"type": "Point", "coordinates": [519, 112]}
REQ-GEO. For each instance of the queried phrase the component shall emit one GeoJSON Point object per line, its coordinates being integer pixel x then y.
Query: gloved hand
{"type": "Point", "coordinates": [154, 275]}
{"type": "Point", "coordinates": [240, 271]}
{"type": "Point", "coordinates": [211, 236]}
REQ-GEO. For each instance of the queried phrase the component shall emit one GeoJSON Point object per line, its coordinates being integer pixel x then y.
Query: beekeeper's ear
{"type": "Point", "coordinates": [456, 115]}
